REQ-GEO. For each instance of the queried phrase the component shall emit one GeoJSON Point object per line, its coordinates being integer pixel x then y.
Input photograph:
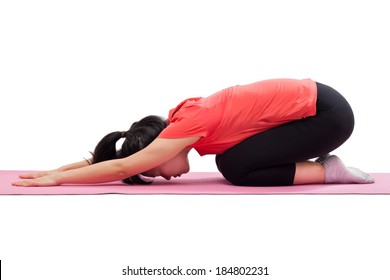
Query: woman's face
{"type": "Point", "coordinates": [174, 167]}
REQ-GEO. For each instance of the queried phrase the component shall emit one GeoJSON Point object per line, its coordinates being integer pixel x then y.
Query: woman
{"type": "Point", "coordinates": [263, 134]}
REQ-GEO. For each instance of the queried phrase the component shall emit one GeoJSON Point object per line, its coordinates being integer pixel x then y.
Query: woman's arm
{"type": "Point", "coordinates": [71, 166]}
{"type": "Point", "coordinates": [158, 152]}
{"type": "Point", "coordinates": [75, 165]}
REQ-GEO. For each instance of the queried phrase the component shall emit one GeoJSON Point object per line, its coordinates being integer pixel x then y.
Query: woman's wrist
{"type": "Point", "coordinates": [75, 165]}
{"type": "Point", "coordinates": [58, 178]}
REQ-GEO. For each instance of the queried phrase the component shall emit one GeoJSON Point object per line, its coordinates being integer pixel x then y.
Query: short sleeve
{"type": "Point", "coordinates": [190, 119]}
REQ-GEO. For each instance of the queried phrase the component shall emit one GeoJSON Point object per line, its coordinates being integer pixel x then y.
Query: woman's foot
{"type": "Point", "coordinates": [337, 172]}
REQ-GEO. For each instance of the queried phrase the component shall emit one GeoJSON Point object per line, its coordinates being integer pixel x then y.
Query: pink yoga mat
{"type": "Point", "coordinates": [193, 183]}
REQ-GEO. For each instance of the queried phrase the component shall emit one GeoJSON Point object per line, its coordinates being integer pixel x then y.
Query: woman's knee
{"type": "Point", "coordinates": [229, 169]}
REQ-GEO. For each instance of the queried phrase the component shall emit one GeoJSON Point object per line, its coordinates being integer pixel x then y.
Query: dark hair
{"type": "Point", "coordinates": [140, 135]}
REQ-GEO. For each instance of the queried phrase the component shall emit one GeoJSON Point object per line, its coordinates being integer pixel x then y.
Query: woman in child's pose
{"type": "Point", "coordinates": [263, 134]}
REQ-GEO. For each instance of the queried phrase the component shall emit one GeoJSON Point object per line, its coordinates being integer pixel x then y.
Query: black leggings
{"type": "Point", "coordinates": [268, 158]}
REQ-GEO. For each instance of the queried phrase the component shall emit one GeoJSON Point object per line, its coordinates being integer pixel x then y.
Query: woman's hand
{"type": "Point", "coordinates": [42, 181]}
{"type": "Point", "coordinates": [38, 174]}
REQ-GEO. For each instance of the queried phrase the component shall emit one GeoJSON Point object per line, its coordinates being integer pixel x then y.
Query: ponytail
{"type": "Point", "coordinates": [106, 148]}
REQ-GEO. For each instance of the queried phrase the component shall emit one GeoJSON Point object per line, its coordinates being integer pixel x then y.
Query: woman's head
{"type": "Point", "coordinates": [140, 135]}
{"type": "Point", "coordinates": [174, 167]}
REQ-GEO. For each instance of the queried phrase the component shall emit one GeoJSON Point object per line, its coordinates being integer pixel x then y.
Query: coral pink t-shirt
{"type": "Point", "coordinates": [229, 116]}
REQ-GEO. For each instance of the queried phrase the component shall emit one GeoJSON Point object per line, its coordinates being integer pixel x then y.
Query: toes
{"type": "Point", "coordinates": [361, 176]}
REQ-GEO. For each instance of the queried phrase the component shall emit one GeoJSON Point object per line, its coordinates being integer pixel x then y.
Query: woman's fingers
{"type": "Point", "coordinates": [33, 175]}
{"type": "Point", "coordinates": [44, 181]}
{"type": "Point", "coordinates": [20, 184]}
{"type": "Point", "coordinates": [24, 183]}
{"type": "Point", "coordinates": [27, 176]}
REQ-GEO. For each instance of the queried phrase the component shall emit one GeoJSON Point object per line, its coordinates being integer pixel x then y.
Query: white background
{"type": "Point", "coordinates": [72, 71]}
